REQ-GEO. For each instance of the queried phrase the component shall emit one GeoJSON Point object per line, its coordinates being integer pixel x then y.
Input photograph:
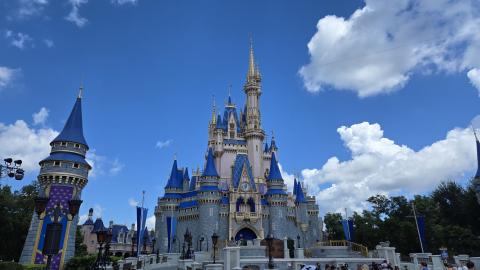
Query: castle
{"type": "Point", "coordinates": [240, 194]}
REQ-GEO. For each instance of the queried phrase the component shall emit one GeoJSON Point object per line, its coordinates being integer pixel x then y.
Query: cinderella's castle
{"type": "Point", "coordinates": [240, 194]}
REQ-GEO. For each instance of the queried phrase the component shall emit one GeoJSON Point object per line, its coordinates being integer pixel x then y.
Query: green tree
{"type": "Point", "coordinates": [80, 247]}
{"type": "Point", "coordinates": [16, 209]}
{"type": "Point", "coordinates": [333, 222]}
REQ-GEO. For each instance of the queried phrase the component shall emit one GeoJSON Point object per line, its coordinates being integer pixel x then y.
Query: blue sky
{"type": "Point", "coordinates": [150, 69]}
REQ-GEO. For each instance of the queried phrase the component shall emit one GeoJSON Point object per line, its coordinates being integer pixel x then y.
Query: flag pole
{"type": "Point", "coordinates": [348, 225]}
{"type": "Point", "coordinates": [416, 223]}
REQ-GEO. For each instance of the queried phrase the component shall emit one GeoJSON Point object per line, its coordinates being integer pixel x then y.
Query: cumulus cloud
{"type": "Point", "coordinates": [123, 2]}
{"type": "Point", "coordinates": [74, 15]}
{"type": "Point", "coordinates": [474, 76]}
{"type": "Point", "coordinates": [48, 42]}
{"type": "Point", "coordinates": [41, 116]}
{"type": "Point", "coordinates": [378, 165]}
{"type": "Point", "coordinates": [163, 144]}
{"type": "Point", "coordinates": [7, 76]}
{"type": "Point", "coordinates": [19, 40]}
{"type": "Point", "coordinates": [20, 141]}
{"type": "Point", "coordinates": [379, 47]}
{"type": "Point", "coordinates": [28, 8]}
{"type": "Point", "coordinates": [101, 165]}
{"type": "Point", "coordinates": [132, 202]}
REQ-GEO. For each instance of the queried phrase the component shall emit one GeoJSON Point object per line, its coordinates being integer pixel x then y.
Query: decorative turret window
{"type": "Point", "coordinates": [76, 165]}
{"type": "Point", "coordinates": [57, 163]}
{"type": "Point", "coordinates": [77, 145]}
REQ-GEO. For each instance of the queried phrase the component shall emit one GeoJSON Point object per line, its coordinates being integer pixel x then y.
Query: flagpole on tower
{"type": "Point", "coordinates": [416, 223]}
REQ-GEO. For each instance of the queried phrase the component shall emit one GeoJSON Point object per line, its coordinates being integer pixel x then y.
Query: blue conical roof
{"type": "Point", "coordinates": [300, 197]}
{"type": "Point", "coordinates": [174, 181]}
{"type": "Point", "coordinates": [98, 225]}
{"type": "Point", "coordinates": [274, 173]}
{"type": "Point", "coordinates": [478, 158]}
{"type": "Point", "coordinates": [266, 148]}
{"type": "Point", "coordinates": [295, 186]}
{"type": "Point", "coordinates": [210, 169]}
{"type": "Point", "coordinates": [73, 129]}
{"type": "Point", "coordinates": [185, 174]}
{"type": "Point", "coordinates": [193, 183]}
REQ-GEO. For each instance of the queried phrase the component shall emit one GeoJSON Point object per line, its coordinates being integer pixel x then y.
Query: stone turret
{"type": "Point", "coordinates": [63, 175]}
{"type": "Point", "coordinates": [277, 200]}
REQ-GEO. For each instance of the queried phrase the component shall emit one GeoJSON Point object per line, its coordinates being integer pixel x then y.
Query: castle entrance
{"type": "Point", "coordinates": [245, 234]}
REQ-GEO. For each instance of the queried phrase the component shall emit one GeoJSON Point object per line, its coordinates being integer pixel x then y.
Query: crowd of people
{"type": "Point", "coordinates": [386, 266]}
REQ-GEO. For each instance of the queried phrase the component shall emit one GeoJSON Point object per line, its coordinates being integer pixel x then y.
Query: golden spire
{"type": "Point", "coordinates": [214, 111]}
{"type": "Point", "coordinates": [251, 62]}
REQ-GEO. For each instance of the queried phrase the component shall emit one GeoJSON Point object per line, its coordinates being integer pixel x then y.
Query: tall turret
{"type": "Point", "coordinates": [253, 130]}
{"type": "Point", "coordinates": [277, 200]}
{"type": "Point", "coordinates": [63, 175]}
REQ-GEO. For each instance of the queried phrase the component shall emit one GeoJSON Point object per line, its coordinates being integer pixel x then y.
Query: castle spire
{"type": "Point", "coordinates": [251, 63]}
{"type": "Point", "coordinates": [214, 111]}
{"type": "Point", "coordinates": [73, 129]}
{"type": "Point", "coordinates": [210, 169]}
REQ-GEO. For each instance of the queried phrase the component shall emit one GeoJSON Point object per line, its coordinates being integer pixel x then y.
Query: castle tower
{"type": "Point", "coordinates": [166, 211]}
{"type": "Point", "coordinates": [253, 131]}
{"type": "Point", "coordinates": [209, 198]}
{"type": "Point", "coordinates": [277, 201]}
{"type": "Point", "coordinates": [62, 177]}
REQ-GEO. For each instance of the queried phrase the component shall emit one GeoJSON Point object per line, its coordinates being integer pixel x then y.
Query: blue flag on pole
{"type": "Point", "coordinates": [141, 220]}
{"type": "Point", "coordinates": [421, 230]}
{"type": "Point", "coordinates": [348, 229]}
{"type": "Point", "coordinates": [171, 228]}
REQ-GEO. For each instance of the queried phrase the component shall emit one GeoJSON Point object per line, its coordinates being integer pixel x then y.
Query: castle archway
{"type": "Point", "coordinates": [246, 234]}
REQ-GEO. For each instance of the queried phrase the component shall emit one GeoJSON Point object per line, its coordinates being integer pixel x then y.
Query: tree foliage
{"type": "Point", "coordinates": [452, 220]}
{"type": "Point", "coordinates": [16, 209]}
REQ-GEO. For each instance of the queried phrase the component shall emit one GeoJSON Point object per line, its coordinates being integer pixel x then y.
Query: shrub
{"type": "Point", "coordinates": [10, 266]}
{"type": "Point", "coordinates": [80, 263]}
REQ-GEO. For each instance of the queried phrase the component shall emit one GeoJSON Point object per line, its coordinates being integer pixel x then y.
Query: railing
{"type": "Point", "coordinates": [344, 243]}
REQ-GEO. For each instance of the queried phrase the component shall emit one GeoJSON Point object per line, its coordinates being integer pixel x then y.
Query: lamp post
{"type": "Point", "coordinates": [106, 254]}
{"type": "Point", "coordinates": [12, 170]}
{"type": "Point", "coordinates": [173, 243]}
{"type": "Point", "coordinates": [298, 240]}
{"type": "Point", "coordinates": [201, 239]}
{"type": "Point", "coordinates": [101, 239]}
{"type": "Point", "coordinates": [53, 232]}
{"type": "Point", "coordinates": [214, 242]}
{"type": "Point", "coordinates": [269, 240]}
{"type": "Point", "coordinates": [145, 239]}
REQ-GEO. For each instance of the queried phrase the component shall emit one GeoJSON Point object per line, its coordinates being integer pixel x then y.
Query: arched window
{"type": "Point", "coordinates": [238, 203]}
{"type": "Point", "coordinates": [251, 203]}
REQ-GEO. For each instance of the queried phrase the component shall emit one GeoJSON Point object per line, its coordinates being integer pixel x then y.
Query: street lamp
{"type": "Point", "coordinates": [145, 239]}
{"type": "Point", "coordinates": [101, 239]}
{"type": "Point", "coordinates": [108, 239]}
{"type": "Point", "coordinates": [201, 239]}
{"type": "Point", "coordinates": [12, 170]}
{"type": "Point", "coordinates": [214, 242]}
{"type": "Point", "coordinates": [269, 240]}
{"type": "Point", "coordinates": [298, 240]}
{"type": "Point", "coordinates": [153, 245]}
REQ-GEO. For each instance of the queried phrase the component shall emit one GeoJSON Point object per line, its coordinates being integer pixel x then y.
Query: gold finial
{"type": "Point", "coordinates": [214, 111]}
{"type": "Point", "coordinates": [229, 90]}
{"type": "Point", "coordinates": [251, 62]}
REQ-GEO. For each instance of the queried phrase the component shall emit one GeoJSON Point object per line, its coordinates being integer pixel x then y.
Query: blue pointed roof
{"type": "Point", "coordinates": [295, 186]}
{"type": "Point", "coordinates": [242, 161]}
{"type": "Point", "coordinates": [98, 225]}
{"type": "Point", "coordinates": [193, 183]}
{"type": "Point", "coordinates": [266, 147]}
{"type": "Point", "coordinates": [219, 122]}
{"type": "Point", "coordinates": [300, 196]}
{"type": "Point", "coordinates": [274, 173]}
{"type": "Point", "coordinates": [478, 157]}
{"type": "Point", "coordinates": [185, 174]}
{"type": "Point", "coordinates": [210, 169]}
{"type": "Point", "coordinates": [230, 100]}
{"type": "Point", "coordinates": [73, 129]}
{"type": "Point", "coordinates": [176, 178]}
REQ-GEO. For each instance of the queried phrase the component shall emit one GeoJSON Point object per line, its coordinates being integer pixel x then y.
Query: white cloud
{"type": "Point", "coordinates": [380, 166]}
{"type": "Point", "coordinates": [116, 167]}
{"type": "Point", "coordinates": [122, 2]}
{"type": "Point", "coordinates": [27, 8]}
{"type": "Point", "coordinates": [49, 43]}
{"type": "Point", "coordinates": [7, 76]}
{"type": "Point", "coordinates": [19, 141]}
{"type": "Point", "coordinates": [150, 223]}
{"type": "Point", "coordinates": [381, 45]}
{"type": "Point", "coordinates": [41, 116]}
{"type": "Point", "coordinates": [474, 76]}
{"type": "Point", "coordinates": [132, 202]}
{"type": "Point", "coordinates": [19, 40]}
{"type": "Point", "coordinates": [163, 144]}
{"type": "Point", "coordinates": [101, 165]}
{"type": "Point", "coordinates": [74, 15]}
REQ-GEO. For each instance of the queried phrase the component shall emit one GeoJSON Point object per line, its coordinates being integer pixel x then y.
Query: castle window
{"type": "Point", "coordinates": [232, 134]}
{"type": "Point", "coordinates": [63, 144]}
{"type": "Point", "coordinates": [77, 145]}
{"type": "Point", "coordinates": [56, 163]}
{"type": "Point", "coordinates": [76, 165]}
